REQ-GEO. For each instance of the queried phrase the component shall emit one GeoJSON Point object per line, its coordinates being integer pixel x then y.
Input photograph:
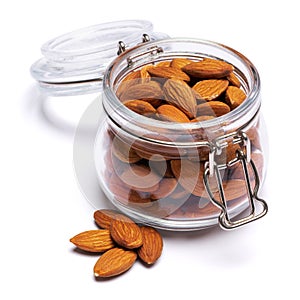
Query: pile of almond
{"type": "Point", "coordinates": [182, 90]}
{"type": "Point", "coordinates": [121, 241]}
{"type": "Point", "coordinates": [161, 179]}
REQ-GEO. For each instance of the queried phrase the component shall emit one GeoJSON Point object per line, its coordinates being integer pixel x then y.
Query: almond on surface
{"type": "Point", "coordinates": [179, 94]}
{"type": "Point", "coordinates": [152, 246]}
{"type": "Point", "coordinates": [126, 233]}
{"type": "Point", "coordinates": [208, 68]}
{"type": "Point", "coordinates": [103, 217]}
{"type": "Point", "coordinates": [93, 240]}
{"type": "Point", "coordinates": [114, 262]}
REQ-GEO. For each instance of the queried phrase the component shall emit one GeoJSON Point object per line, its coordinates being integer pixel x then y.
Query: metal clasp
{"type": "Point", "coordinates": [243, 156]}
{"type": "Point", "coordinates": [154, 50]}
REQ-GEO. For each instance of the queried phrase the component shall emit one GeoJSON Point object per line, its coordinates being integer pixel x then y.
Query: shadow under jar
{"type": "Point", "coordinates": [181, 175]}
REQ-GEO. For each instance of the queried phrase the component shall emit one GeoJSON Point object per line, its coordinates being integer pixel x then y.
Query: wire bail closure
{"type": "Point", "coordinates": [213, 169]}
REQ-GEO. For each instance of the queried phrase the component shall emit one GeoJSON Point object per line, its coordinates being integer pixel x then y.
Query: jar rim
{"type": "Point", "coordinates": [252, 102]}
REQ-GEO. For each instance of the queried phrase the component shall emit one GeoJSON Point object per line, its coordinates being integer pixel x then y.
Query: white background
{"type": "Point", "coordinates": [42, 205]}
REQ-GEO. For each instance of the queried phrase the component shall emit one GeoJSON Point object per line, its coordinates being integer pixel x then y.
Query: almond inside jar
{"type": "Point", "coordinates": [162, 181]}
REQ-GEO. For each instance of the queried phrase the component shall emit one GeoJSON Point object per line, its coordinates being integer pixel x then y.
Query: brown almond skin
{"type": "Point", "coordinates": [211, 89]}
{"type": "Point", "coordinates": [114, 262]}
{"type": "Point", "coordinates": [130, 80]}
{"type": "Point", "coordinates": [168, 72]}
{"type": "Point", "coordinates": [233, 189]}
{"type": "Point", "coordinates": [152, 247]}
{"type": "Point", "coordinates": [126, 233]}
{"type": "Point", "coordinates": [140, 177]}
{"type": "Point", "coordinates": [166, 187]}
{"type": "Point", "coordinates": [148, 90]}
{"type": "Point", "coordinates": [179, 94]}
{"type": "Point", "coordinates": [233, 80]}
{"type": "Point", "coordinates": [208, 69]}
{"type": "Point", "coordinates": [171, 113]}
{"type": "Point", "coordinates": [179, 63]}
{"type": "Point", "coordinates": [93, 240]}
{"type": "Point", "coordinates": [123, 152]}
{"type": "Point", "coordinates": [189, 175]}
{"type": "Point", "coordinates": [234, 96]}
{"type": "Point", "coordinates": [212, 108]}
{"type": "Point", "coordinates": [103, 217]}
{"type": "Point", "coordinates": [140, 107]}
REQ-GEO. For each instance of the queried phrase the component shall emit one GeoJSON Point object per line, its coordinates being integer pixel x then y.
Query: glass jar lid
{"type": "Point", "coordinates": [74, 63]}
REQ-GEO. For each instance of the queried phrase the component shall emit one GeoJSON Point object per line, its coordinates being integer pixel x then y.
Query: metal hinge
{"type": "Point", "coordinates": [154, 50]}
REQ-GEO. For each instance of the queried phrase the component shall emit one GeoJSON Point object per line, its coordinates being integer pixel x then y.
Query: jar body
{"type": "Point", "coordinates": [155, 171]}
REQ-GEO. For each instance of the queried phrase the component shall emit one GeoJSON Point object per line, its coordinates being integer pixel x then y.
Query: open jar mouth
{"type": "Point", "coordinates": [196, 49]}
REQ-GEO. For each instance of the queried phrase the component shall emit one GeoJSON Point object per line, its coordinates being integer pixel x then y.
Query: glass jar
{"type": "Point", "coordinates": [176, 176]}
{"type": "Point", "coordinates": [183, 176]}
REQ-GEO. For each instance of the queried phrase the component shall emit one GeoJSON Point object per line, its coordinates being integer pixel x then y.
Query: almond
{"type": "Point", "coordinates": [178, 93]}
{"type": "Point", "coordinates": [152, 246]}
{"type": "Point", "coordinates": [126, 233]}
{"type": "Point", "coordinates": [233, 80]}
{"type": "Point", "coordinates": [145, 76]}
{"type": "Point", "coordinates": [179, 63]}
{"type": "Point", "coordinates": [165, 63]}
{"type": "Point", "coordinates": [234, 96]}
{"type": "Point", "coordinates": [171, 113]}
{"type": "Point", "coordinates": [227, 154]}
{"type": "Point", "coordinates": [117, 187]}
{"type": "Point", "coordinates": [162, 168]}
{"type": "Point", "coordinates": [130, 80]}
{"type": "Point", "coordinates": [211, 89]}
{"type": "Point", "coordinates": [237, 171]}
{"type": "Point", "coordinates": [166, 187]}
{"type": "Point", "coordinates": [208, 68]}
{"type": "Point", "coordinates": [141, 107]}
{"type": "Point", "coordinates": [154, 102]}
{"type": "Point", "coordinates": [233, 189]}
{"type": "Point", "coordinates": [93, 240]}
{"type": "Point", "coordinates": [168, 72]}
{"type": "Point", "coordinates": [103, 217]}
{"type": "Point", "coordinates": [141, 178]}
{"type": "Point", "coordinates": [114, 262]}
{"type": "Point", "coordinates": [179, 193]}
{"type": "Point", "coordinates": [189, 175]}
{"type": "Point", "coordinates": [137, 197]}
{"type": "Point", "coordinates": [124, 152]}
{"type": "Point", "coordinates": [149, 90]}
{"type": "Point", "coordinates": [212, 108]}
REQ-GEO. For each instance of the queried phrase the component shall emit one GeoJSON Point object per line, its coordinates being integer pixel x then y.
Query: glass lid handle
{"type": "Point", "coordinates": [225, 221]}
